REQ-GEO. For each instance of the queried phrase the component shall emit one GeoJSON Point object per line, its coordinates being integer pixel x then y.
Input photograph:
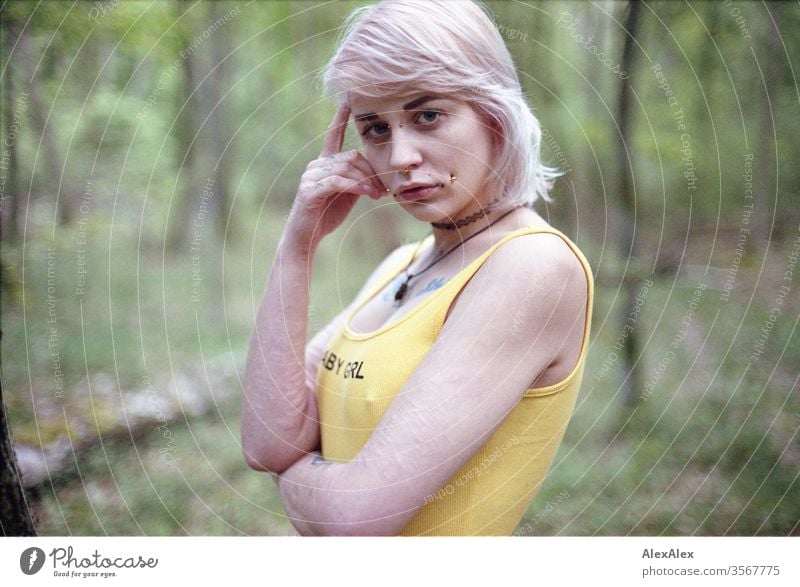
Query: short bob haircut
{"type": "Point", "coordinates": [448, 47]}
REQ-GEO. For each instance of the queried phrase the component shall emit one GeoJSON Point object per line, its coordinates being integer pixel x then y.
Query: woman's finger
{"type": "Point", "coordinates": [344, 163]}
{"type": "Point", "coordinates": [334, 136]}
{"type": "Point", "coordinates": [332, 186]}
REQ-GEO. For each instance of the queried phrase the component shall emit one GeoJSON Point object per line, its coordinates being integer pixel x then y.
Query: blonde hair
{"type": "Point", "coordinates": [449, 47]}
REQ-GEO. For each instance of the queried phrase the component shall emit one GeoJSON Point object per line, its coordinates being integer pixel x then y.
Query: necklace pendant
{"type": "Point", "coordinates": [401, 291]}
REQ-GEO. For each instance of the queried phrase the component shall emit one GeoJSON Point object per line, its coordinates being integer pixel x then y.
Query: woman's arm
{"type": "Point", "coordinates": [482, 362]}
{"type": "Point", "coordinates": [279, 414]}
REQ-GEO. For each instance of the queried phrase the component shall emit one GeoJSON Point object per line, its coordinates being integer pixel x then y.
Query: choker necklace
{"type": "Point", "coordinates": [462, 222]}
{"type": "Point", "coordinates": [401, 291]}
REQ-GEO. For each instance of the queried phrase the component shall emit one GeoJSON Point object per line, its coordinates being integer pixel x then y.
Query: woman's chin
{"type": "Point", "coordinates": [424, 211]}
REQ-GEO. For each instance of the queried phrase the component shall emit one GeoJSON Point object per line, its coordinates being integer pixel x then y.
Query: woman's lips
{"type": "Point", "coordinates": [417, 193]}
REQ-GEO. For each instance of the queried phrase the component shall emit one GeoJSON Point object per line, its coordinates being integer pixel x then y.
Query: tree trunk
{"type": "Point", "coordinates": [15, 516]}
{"type": "Point", "coordinates": [38, 113]}
{"type": "Point", "coordinates": [220, 81]}
{"type": "Point", "coordinates": [766, 192]}
{"type": "Point", "coordinates": [627, 237]}
{"type": "Point", "coordinates": [205, 202]}
{"type": "Point", "coordinates": [9, 205]}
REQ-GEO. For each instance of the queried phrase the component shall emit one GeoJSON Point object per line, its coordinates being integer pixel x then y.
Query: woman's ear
{"type": "Point", "coordinates": [496, 132]}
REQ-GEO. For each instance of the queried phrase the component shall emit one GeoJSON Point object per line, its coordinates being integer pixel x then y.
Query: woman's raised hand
{"type": "Point", "coordinates": [331, 185]}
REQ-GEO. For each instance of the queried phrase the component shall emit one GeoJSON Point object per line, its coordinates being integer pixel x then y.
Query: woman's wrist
{"type": "Point", "coordinates": [297, 243]}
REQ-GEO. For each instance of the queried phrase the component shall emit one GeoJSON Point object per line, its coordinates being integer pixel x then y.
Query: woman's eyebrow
{"type": "Point", "coordinates": [363, 117]}
{"type": "Point", "coordinates": [410, 106]}
{"type": "Point", "coordinates": [419, 102]}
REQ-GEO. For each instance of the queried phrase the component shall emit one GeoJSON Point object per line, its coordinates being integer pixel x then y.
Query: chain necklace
{"type": "Point", "coordinates": [401, 291]}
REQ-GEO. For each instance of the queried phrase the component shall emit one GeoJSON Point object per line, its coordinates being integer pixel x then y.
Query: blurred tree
{"type": "Point", "coordinates": [204, 128]}
{"type": "Point", "coordinates": [627, 205]}
{"type": "Point", "coordinates": [769, 74]}
{"type": "Point", "coordinates": [9, 28]}
{"type": "Point", "coordinates": [59, 186]}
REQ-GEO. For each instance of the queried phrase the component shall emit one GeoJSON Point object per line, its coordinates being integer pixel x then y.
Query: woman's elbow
{"type": "Point", "coordinates": [264, 460]}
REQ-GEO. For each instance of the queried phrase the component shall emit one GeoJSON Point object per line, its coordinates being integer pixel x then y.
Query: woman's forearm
{"type": "Point", "coordinates": [279, 418]}
{"type": "Point", "coordinates": [317, 500]}
{"type": "Point", "coordinates": [326, 498]}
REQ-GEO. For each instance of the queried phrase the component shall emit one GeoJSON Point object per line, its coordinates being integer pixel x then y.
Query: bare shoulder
{"type": "Point", "coordinates": [539, 272]}
{"type": "Point", "coordinates": [545, 258]}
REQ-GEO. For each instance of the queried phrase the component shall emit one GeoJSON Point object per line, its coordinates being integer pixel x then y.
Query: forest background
{"type": "Point", "coordinates": [150, 154]}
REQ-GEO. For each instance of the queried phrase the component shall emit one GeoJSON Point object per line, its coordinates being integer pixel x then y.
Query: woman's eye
{"type": "Point", "coordinates": [375, 131]}
{"type": "Point", "coordinates": [428, 116]}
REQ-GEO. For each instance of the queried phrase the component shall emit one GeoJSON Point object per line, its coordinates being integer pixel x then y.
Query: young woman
{"type": "Point", "coordinates": [436, 401]}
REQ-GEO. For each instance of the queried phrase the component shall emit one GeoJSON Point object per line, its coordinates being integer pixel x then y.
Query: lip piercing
{"type": "Point", "coordinates": [452, 179]}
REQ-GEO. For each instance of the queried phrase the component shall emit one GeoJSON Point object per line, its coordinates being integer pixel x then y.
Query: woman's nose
{"type": "Point", "coordinates": [406, 153]}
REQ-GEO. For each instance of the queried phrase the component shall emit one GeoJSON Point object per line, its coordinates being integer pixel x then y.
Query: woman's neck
{"type": "Point", "coordinates": [489, 223]}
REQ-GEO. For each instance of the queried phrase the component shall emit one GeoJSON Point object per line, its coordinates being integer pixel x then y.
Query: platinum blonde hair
{"type": "Point", "coordinates": [448, 47]}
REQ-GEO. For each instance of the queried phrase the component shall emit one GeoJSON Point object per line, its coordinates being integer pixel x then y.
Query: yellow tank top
{"type": "Point", "coordinates": [361, 373]}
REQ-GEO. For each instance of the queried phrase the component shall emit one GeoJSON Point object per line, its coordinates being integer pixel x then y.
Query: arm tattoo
{"type": "Point", "coordinates": [320, 460]}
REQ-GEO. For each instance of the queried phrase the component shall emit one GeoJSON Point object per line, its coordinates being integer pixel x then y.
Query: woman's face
{"type": "Point", "coordinates": [416, 142]}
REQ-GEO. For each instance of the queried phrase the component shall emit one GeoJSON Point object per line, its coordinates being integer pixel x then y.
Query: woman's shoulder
{"type": "Point", "coordinates": [543, 260]}
{"type": "Point", "coordinates": [538, 249]}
